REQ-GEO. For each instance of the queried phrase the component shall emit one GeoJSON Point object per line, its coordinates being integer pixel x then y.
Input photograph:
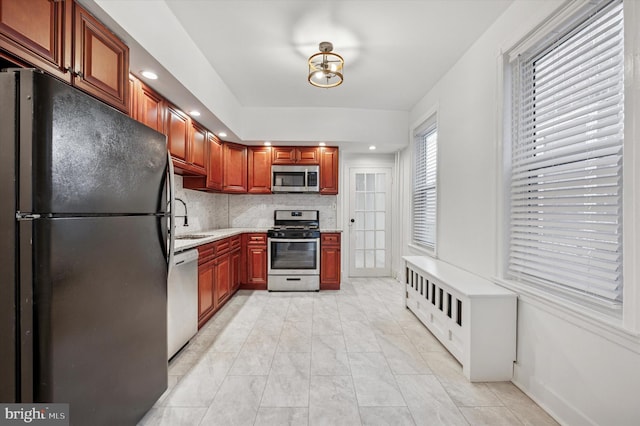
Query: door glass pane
{"type": "Point", "coordinates": [380, 254]}
{"type": "Point", "coordinates": [369, 239]}
{"type": "Point", "coordinates": [359, 259]}
{"type": "Point", "coordinates": [359, 201]}
{"type": "Point", "coordinates": [370, 221]}
{"type": "Point", "coordinates": [359, 240]}
{"type": "Point", "coordinates": [370, 201]}
{"type": "Point", "coordinates": [380, 182]}
{"type": "Point", "coordinates": [359, 220]}
{"type": "Point", "coordinates": [380, 237]}
{"type": "Point", "coordinates": [359, 182]}
{"type": "Point", "coordinates": [380, 200]}
{"type": "Point", "coordinates": [380, 218]}
{"type": "Point", "coordinates": [370, 260]}
{"type": "Point", "coordinates": [371, 182]}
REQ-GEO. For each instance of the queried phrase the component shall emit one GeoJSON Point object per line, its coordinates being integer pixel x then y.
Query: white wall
{"type": "Point", "coordinates": [580, 372]}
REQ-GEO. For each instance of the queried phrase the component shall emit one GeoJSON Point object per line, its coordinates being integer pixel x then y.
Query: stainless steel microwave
{"type": "Point", "coordinates": [292, 178]}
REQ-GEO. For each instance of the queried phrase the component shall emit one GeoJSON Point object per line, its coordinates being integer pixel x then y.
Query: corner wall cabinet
{"type": "Point", "coordinates": [63, 39]}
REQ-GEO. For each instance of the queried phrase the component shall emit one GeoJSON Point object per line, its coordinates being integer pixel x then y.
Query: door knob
{"type": "Point", "coordinates": [353, 220]}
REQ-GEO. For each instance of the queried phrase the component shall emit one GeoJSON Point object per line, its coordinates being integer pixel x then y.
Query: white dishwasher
{"type": "Point", "coordinates": [182, 301]}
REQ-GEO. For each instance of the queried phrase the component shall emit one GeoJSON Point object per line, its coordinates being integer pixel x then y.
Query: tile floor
{"type": "Point", "coordinates": [351, 357]}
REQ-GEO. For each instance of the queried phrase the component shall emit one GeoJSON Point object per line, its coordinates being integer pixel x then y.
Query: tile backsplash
{"type": "Point", "coordinates": [215, 211]}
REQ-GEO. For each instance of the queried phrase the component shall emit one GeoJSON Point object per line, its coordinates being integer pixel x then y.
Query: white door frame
{"type": "Point", "coordinates": [366, 161]}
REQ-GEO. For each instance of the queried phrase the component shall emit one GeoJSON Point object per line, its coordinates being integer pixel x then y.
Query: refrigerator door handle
{"type": "Point", "coordinates": [172, 214]}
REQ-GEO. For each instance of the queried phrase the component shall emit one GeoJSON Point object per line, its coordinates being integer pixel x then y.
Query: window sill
{"type": "Point", "coordinates": [603, 325]}
{"type": "Point", "coordinates": [422, 250]}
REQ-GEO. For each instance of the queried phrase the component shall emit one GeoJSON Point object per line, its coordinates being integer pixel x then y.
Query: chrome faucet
{"type": "Point", "coordinates": [186, 215]}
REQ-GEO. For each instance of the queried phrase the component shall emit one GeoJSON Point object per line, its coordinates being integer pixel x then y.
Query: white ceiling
{"type": "Point", "coordinates": [394, 50]}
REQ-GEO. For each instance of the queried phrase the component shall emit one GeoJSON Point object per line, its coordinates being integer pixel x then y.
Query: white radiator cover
{"type": "Point", "coordinates": [473, 318]}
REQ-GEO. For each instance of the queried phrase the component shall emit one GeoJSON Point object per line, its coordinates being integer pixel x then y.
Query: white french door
{"type": "Point", "coordinates": [369, 222]}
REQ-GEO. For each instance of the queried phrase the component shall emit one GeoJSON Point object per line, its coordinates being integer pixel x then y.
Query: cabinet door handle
{"type": "Point", "coordinates": [79, 74]}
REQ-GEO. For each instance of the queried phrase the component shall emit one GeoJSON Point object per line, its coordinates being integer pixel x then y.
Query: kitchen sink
{"type": "Point", "coordinates": [191, 236]}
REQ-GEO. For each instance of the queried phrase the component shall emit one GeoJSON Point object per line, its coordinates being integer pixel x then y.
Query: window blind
{"type": "Point", "coordinates": [566, 166]}
{"type": "Point", "coordinates": [424, 186]}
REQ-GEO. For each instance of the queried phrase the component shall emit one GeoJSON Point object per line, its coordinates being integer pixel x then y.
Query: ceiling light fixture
{"type": "Point", "coordinates": [194, 113]}
{"type": "Point", "coordinates": [222, 134]}
{"type": "Point", "coordinates": [149, 74]}
{"type": "Point", "coordinates": [325, 67]}
{"type": "Point", "coordinates": [322, 144]}
{"type": "Point", "coordinates": [267, 143]}
{"type": "Point", "coordinates": [372, 147]}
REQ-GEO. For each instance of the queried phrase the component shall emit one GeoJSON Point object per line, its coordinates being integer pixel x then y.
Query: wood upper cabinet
{"type": "Point", "coordinates": [186, 141]}
{"type": "Point", "coordinates": [328, 170]}
{"type": "Point", "coordinates": [61, 38]}
{"type": "Point", "coordinates": [101, 60]}
{"type": "Point", "coordinates": [234, 176]}
{"type": "Point", "coordinates": [39, 32]}
{"type": "Point", "coordinates": [177, 127]}
{"type": "Point", "coordinates": [145, 105]}
{"type": "Point", "coordinates": [214, 163]}
{"type": "Point", "coordinates": [197, 154]}
{"type": "Point", "coordinates": [330, 261]}
{"type": "Point", "coordinates": [294, 155]}
{"type": "Point", "coordinates": [259, 165]}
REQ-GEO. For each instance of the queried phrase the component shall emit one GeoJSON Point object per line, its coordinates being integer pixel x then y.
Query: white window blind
{"type": "Point", "coordinates": [566, 166]}
{"type": "Point", "coordinates": [424, 185]}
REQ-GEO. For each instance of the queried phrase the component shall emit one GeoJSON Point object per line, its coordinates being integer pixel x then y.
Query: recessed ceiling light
{"type": "Point", "coordinates": [149, 74]}
{"type": "Point", "coordinates": [222, 134]}
{"type": "Point", "coordinates": [194, 113]}
{"type": "Point", "coordinates": [322, 144]}
{"type": "Point", "coordinates": [372, 147]}
{"type": "Point", "coordinates": [267, 143]}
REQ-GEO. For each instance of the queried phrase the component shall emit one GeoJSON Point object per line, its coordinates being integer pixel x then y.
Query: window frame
{"type": "Point", "coordinates": [420, 134]}
{"type": "Point", "coordinates": [625, 330]}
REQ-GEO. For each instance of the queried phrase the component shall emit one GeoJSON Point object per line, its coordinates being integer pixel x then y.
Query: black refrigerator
{"type": "Point", "coordinates": [83, 253]}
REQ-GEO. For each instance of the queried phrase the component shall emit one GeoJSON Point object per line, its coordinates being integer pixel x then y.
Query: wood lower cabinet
{"type": "Point", "coordinates": [218, 275]}
{"type": "Point", "coordinates": [255, 259]}
{"type": "Point", "coordinates": [259, 170]}
{"type": "Point", "coordinates": [330, 261]}
{"type": "Point", "coordinates": [206, 289]}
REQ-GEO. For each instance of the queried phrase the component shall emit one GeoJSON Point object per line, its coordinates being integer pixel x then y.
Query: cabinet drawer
{"type": "Point", "coordinates": [257, 239]}
{"type": "Point", "coordinates": [205, 252]}
{"type": "Point", "coordinates": [330, 239]}
{"type": "Point", "coordinates": [235, 241]}
{"type": "Point", "coordinates": [222, 246]}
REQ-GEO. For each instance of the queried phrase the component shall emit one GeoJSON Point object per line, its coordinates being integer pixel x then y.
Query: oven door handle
{"type": "Point", "coordinates": [293, 240]}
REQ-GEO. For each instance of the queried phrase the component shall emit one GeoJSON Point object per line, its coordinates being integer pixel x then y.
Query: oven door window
{"type": "Point", "coordinates": [294, 255]}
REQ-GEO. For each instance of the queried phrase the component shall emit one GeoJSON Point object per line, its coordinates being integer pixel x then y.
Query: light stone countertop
{"type": "Point", "coordinates": [219, 234]}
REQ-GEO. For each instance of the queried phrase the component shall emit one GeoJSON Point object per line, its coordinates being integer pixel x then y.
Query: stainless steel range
{"type": "Point", "coordinates": [294, 251]}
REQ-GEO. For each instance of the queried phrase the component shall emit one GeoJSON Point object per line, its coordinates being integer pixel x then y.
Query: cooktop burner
{"type": "Point", "coordinates": [295, 224]}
